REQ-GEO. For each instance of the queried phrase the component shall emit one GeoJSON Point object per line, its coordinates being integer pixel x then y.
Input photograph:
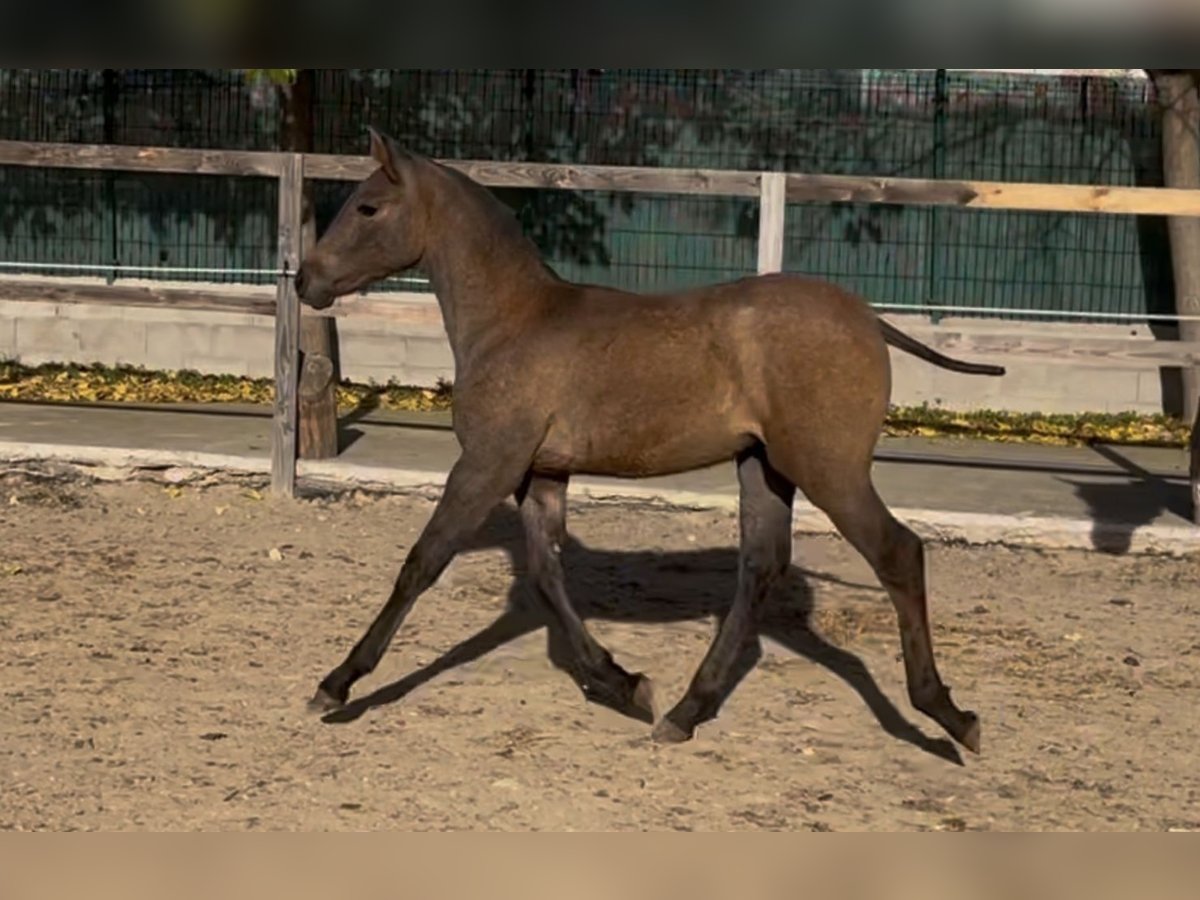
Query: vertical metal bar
{"type": "Point", "coordinates": [936, 217]}
{"type": "Point", "coordinates": [287, 326]}
{"type": "Point", "coordinates": [108, 103]}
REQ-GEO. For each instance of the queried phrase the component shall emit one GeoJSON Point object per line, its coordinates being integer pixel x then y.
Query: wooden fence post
{"type": "Point", "coordinates": [772, 204]}
{"type": "Point", "coordinates": [287, 326]}
{"type": "Point", "coordinates": [1179, 96]}
{"type": "Point", "coordinates": [317, 396]}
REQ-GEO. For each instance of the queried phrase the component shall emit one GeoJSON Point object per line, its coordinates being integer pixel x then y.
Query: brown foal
{"type": "Point", "coordinates": [787, 376]}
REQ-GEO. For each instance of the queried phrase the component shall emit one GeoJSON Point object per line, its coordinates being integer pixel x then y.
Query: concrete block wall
{"type": "Point", "coordinates": [375, 349]}
{"type": "Point", "coordinates": [370, 349]}
{"type": "Point", "coordinates": [1027, 386]}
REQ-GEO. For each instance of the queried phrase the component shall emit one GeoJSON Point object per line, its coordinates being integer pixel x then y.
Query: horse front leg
{"type": "Point", "coordinates": [476, 485]}
{"type": "Point", "coordinates": [543, 504]}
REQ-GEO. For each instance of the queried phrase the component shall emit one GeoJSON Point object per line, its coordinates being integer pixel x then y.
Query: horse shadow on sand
{"type": "Point", "coordinates": [671, 587]}
{"type": "Point", "coordinates": [1120, 506]}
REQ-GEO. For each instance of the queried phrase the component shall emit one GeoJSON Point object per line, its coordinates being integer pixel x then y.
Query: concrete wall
{"type": "Point", "coordinates": [213, 342]}
{"type": "Point", "coordinates": [1031, 386]}
{"type": "Point", "coordinates": [416, 352]}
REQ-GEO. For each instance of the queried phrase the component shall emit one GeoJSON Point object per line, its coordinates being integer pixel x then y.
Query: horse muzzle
{"type": "Point", "coordinates": [313, 290]}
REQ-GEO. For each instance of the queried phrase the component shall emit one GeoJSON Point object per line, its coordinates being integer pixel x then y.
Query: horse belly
{"type": "Point", "coordinates": [643, 449]}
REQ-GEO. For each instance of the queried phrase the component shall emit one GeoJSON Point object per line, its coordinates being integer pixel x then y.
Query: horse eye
{"type": "Point", "coordinates": [367, 210]}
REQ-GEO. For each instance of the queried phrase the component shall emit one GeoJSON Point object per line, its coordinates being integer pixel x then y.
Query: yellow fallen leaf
{"type": "Point", "coordinates": [220, 510]}
{"type": "Point", "coordinates": [275, 554]}
{"type": "Point", "coordinates": [253, 494]}
{"type": "Point", "coordinates": [173, 491]}
{"type": "Point", "coordinates": [12, 569]}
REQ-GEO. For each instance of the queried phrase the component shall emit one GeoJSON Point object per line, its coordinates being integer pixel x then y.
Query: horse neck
{"type": "Point", "coordinates": [487, 276]}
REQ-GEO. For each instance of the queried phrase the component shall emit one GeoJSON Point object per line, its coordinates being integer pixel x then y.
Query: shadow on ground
{"type": "Point", "coordinates": [655, 587]}
{"type": "Point", "coordinates": [1119, 508]}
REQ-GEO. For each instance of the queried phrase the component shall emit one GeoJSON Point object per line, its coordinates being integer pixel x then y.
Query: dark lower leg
{"type": "Point", "coordinates": [470, 494]}
{"type": "Point", "coordinates": [903, 574]}
{"type": "Point", "coordinates": [425, 562]}
{"type": "Point", "coordinates": [707, 689]}
{"type": "Point", "coordinates": [898, 557]}
{"type": "Point", "coordinates": [543, 511]}
{"type": "Point", "coordinates": [765, 514]}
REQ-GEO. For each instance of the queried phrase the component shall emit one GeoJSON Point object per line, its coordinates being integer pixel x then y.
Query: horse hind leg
{"type": "Point", "coordinates": [765, 520]}
{"type": "Point", "coordinates": [897, 555]}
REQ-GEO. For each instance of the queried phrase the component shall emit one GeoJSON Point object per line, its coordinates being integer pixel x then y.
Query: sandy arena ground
{"type": "Point", "coordinates": [160, 644]}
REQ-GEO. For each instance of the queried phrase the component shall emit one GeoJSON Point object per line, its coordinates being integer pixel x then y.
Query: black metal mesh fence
{"type": "Point", "coordinates": [918, 123]}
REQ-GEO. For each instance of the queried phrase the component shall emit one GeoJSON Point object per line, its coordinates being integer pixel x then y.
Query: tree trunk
{"type": "Point", "coordinates": [1177, 93]}
{"type": "Point", "coordinates": [318, 438]}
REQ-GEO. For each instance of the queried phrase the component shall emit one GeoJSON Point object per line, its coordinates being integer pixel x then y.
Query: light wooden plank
{"type": "Point", "coordinates": [711, 182]}
{"type": "Point", "coordinates": [805, 188]}
{"type": "Point", "coordinates": [1077, 198]}
{"type": "Point", "coordinates": [423, 314]}
{"type": "Point", "coordinates": [559, 176]}
{"type": "Point", "coordinates": [772, 206]}
{"type": "Point", "coordinates": [287, 326]}
{"type": "Point", "coordinates": [179, 160]}
{"type": "Point", "coordinates": [331, 167]}
{"type": "Point", "coordinates": [126, 295]}
{"type": "Point", "coordinates": [1151, 201]}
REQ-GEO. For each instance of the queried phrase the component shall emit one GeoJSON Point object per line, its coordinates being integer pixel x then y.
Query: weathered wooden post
{"type": "Point", "coordinates": [772, 206]}
{"type": "Point", "coordinates": [1179, 97]}
{"type": "Point", "coordinates": [287, 326]}
{"type": "Point", "coordinates": [317, 397]}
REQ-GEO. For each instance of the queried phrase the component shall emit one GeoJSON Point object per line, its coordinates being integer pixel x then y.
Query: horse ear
{"type": "Point", "coordinates": [383, 151]}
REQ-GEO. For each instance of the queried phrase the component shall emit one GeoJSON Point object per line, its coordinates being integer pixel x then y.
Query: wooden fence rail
{"type": "Point", "coordinates": [773, 190]}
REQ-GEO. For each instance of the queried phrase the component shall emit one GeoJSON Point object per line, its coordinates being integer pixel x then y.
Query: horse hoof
{"type": "Point", "coordinates": [642, 701]}
{"type": "Point", "coordinates": [322, 703]}
{"type": "Point", "coordinates": [667, 732]}
{"type": "Point", "coordinates": [970, 735]}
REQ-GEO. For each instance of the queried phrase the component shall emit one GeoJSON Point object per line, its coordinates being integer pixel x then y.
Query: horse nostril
{"type": "Point", "coordinates": [301, 281]}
